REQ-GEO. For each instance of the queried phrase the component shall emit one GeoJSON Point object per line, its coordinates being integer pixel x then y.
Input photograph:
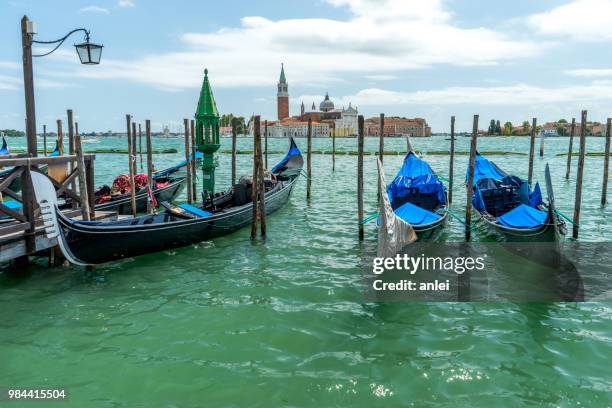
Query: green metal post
{"type": "Point", "coordinates": [207, 134]}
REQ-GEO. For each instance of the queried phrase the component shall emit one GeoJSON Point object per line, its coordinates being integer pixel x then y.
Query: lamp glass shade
{"type": "Point", "coordinates": [89, 53]}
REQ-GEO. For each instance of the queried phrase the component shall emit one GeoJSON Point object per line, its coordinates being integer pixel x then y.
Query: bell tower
{"type": "Point", "coordinates": [282, 96]}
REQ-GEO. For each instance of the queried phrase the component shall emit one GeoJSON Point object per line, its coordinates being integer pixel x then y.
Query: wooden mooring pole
{"type": "Point", "coordinates": [541, 144]}
{"type": "Point", "coordinates": [334, 149]}
{"type": "Point", "coordinates": [381, 146]}
{"type": "Point", "coordinates": [45, 138]}
{"type": "Point", "coordinates": [128, 120]}
{"type": "Point", "coordinates": [150, 208]}
{"type": "Point", "coordinates": [569, 150]}
{"type": "Point", "coordinates": [193, 162]}
{"type": "Point", "coordinates": [266, 142]}
{"type": "Point", "coordinates": [140, 146]}
{"type": "Point", "coordinates": [234, 136]}
{"type": "Point", "coordinates": [360, 176]}
{"type": "Point", "coordinates": [134, 151]}
{"type": "Point", "coordinates": [451, 166]}
{"type": "Point", "coordinates": [83, 191]}
{"type": "Point", "coordinates": [188, 161]}
{"type": "Point", "coordinates": [531, 150]}
{"type": "Point", "coordinates": [604, 189]}
{"type": "Point", "coordinates": [470, 181]}
{"type": "Point", "coordinates": [256, 185]}
{"type": "Point", "coordinates": [60, 137]}
{"type": "Point", "coordinates": [580, 172]}
{"type": "Point", "coordinates": [309, 160]}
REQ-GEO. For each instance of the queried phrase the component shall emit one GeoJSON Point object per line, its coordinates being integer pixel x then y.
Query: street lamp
{"type": "Point", "coordinates": [89, 53]}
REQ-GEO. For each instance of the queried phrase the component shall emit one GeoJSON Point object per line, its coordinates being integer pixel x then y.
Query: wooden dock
{"type": "Point", "coordinates": [21, 229]}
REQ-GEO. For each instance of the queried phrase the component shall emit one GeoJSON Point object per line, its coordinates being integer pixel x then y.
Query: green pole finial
{"type": "Point", "coordinates": [207, 133]}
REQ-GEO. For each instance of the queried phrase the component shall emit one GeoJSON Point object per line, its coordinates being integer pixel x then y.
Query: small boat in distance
{"type": "Point", "coordinates": [415, 205]}
{"type": "Point", "coordinates": [88, 243]}
{"type": "Point", "coordinates": [508, 206]}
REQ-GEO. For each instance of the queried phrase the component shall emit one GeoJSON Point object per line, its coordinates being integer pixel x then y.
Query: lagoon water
{"type": "Point", "coordinates": [284, 323]}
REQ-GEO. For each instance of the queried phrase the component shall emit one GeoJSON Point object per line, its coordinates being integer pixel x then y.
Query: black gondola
{"type": "Point", "coordinates": [510, 209]}
{"type": "Point", "coordinates": [87, 243]}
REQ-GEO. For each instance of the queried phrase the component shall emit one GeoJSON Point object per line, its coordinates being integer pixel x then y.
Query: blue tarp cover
{"type": "Point", "coordinates": [195, 210]}
{"type": "Point", "coordinates": [484, 168]}
{"type": "Point", "coordinates": [535, 197]}
{"type": "Point", "coordinates": [523, 216]}
{"type": "Point", "coordinates": [415, 173]}
{"type": "Point", "coordinates": [415, 215]}
{"type": "Point", "coordinates": [293, 151]}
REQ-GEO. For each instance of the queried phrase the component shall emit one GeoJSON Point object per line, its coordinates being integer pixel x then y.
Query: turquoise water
{"type": "Point", "coordinates": [284, 323]}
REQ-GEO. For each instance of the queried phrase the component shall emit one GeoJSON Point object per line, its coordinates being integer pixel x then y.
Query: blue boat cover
{"type": "Point", "coordinates": [4, 149]}
{"type": "Point", "coordinates": [523, 216]}
{"type": "Point", "coordinates": [535, 197]}
{"type": "Point", "coordinates": [484, 168]}
{"type": "Point", "coordinates": [415, 215]}
{"type": "Point", "coordinates": [416, 173]}
{"type": "Point", "coordinates": [293, 151]}
{"type": "Point", "coordinates": [195, 210]}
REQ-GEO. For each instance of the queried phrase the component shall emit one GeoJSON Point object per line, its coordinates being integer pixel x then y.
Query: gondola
{"type": "Point", "coordinates": [510, 209]}
{"type": "Point", "coordinates": [172, 187]}
{"type": "Point", "coordinates": [87, 243]}
{"type": "Point", "coordinates": [171, 180]}
{"type": "Point", "coordinates": [415, 206]}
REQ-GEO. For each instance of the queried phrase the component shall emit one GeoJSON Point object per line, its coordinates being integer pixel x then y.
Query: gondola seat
{"type": "Point", "coordinates": [195, 210]}
{"type": "Point", "coordinates": [416, 215]}
{"type": "Point", "coordinates": [523, 216]}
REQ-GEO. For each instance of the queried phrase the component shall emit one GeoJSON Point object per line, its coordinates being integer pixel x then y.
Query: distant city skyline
{"type": "Point", "coordinates": [407, 58]}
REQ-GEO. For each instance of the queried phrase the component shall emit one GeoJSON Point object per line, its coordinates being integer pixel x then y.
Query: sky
{"type": "Point", "coordinates": [510, 60]}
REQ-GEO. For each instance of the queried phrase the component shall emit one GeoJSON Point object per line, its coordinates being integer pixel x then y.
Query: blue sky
{"type": "Point", "coordinates": [433, 59]}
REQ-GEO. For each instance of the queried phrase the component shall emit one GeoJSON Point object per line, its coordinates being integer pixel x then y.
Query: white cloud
{"type": "Point", "coordinates": [94, 9]}
{"type": "Point", "coordinates": [10, 82]}
{"type": "Point", "coordinates": [381, 77]}
{"type": "Point", "coordinates": [380, 37]}
{"type": "Point", "coordinates": [581, 20]}
{"type": "Point", "coordinates": [517, 94]}
{"type": "Point", "coordinates": [126, 3]}
{"type": "Point", "coordinates": [9, 65]}
{"type": "Point", "coordinates": [590, 72]}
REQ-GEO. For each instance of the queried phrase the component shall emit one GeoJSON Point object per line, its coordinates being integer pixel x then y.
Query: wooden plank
{"type": "Point", "coordinates": [37, 161]}
{"type": "Point", "coordinates": [150, 208]}
{"type": "Point", "coordinates": [12, 213]}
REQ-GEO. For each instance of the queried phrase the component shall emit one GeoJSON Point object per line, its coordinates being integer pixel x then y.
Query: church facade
{"type": "Point", "coordinates": [326, 120]}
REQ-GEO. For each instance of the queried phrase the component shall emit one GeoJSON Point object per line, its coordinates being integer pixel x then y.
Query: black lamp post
{"type": "Point", "coordinates": [88, 52]}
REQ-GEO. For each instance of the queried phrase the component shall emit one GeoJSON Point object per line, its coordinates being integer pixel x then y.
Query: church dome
{"type": "Point", "coordinates": [327, 105]}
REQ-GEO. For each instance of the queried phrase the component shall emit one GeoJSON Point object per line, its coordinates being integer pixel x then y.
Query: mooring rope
{"type": "Point", "coordinates": [567, 218]}
{"type": "Point", "coordinates": [370, 218]}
